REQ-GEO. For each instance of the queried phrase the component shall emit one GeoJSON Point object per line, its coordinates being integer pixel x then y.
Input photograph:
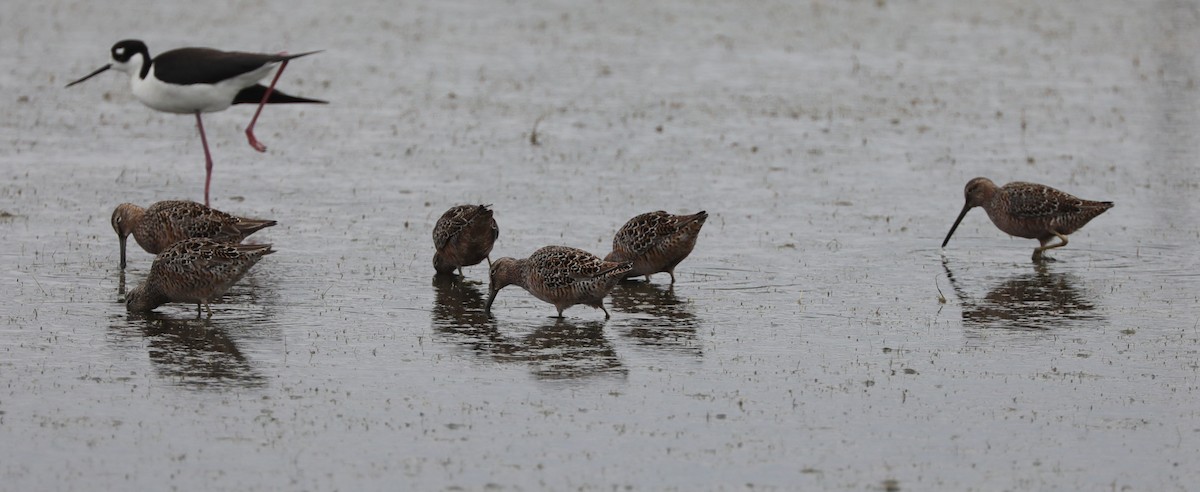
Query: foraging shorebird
{"type": "Point", "coordinates": [195, 270]}
{"type": "Point", "coordinates": [464, 236]}
{"type": "Point", "coordinates": [157, 227]}
{"type": "Point", "coordinates": [559, 275]}
{"type": "Point", "coordinates": [656, 242]}
{"type": "Point", "coordinates": [201, 80]}
{"type": "Point", "coordinates": [1029, 210]}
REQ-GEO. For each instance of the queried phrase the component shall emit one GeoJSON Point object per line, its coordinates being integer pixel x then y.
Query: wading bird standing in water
{"type": "Point", "coordinates": [656, 242]}
{"type": "Point", "coordinates": [559, 275]}
{"type": "Point", "coordinates": [197, 270]}
{"type": "Point", "coordinates": [157, 227]}
{"type": "Point", "coordinates": [201, 80]}
{"type": "Point", "coordinates": [464, 236]}
{"type": "Point", "coordinates": [1029, 210]}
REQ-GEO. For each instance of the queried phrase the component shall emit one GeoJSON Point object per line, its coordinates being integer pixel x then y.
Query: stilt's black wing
{"type": "Point", "coordinates": [186, 66]}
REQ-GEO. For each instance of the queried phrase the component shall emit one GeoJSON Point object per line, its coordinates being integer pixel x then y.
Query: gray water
{"type": "Point", "coordinates": [816, 339]}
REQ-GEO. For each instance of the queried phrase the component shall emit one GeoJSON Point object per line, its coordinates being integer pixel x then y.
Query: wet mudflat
{"type": "Point", "coordinates": [805, 344]}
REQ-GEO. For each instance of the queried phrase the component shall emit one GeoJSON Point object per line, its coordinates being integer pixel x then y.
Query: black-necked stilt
{"type": "Point", "coordinates": [201, 80]}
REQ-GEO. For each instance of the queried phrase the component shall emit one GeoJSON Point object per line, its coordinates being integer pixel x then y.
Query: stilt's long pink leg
{"type": "Point", "coordinates": [266, 95]}
{"type": "Point", "coordinates": [208, 163]}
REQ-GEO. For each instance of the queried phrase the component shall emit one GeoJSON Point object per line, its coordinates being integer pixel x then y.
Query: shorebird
{"type": "Point", "coordinates": [463, 237]}
{"type": "Point", "coordinates": [162, 224]}
{"type": "Point", "coordinates": [201, 80]}
{"type": "Point", "coordinates": [195, 270]}
{"type": "Point", "coordinates": [559, 275]}
{"type": "Point", "coordinates": [1029, 210]}
{"type": "Point", "coordinates": [656, 242]}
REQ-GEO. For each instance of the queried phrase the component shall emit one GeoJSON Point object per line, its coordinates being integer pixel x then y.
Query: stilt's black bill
{"type": "Point", "coordinates": [90, 75]}
{"type": "Point", "coordinates": [962, 214]}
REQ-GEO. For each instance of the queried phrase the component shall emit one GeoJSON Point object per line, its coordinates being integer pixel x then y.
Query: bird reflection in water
{"type": "Point", "coordinates": [193, 353]}
{"type": "Point", "coordinates": [565, 349]}
{"type": "Point", "coordinates": [560, 348]}
{"type": "Point", "coordinates": [663, 320]}
{"type": "Point", "coordinates": [458, 304]}
{"type": "Point", "coordinates": [1040, 300]}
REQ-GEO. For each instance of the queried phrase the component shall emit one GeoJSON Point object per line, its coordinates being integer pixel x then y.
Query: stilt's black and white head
{"type": "Point", "coordinates": [128, 56]}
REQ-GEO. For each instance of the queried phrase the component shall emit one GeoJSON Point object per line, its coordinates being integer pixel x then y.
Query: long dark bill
{"type": "Point", "coordinates": [123, 252]}
{"type": "Point", "coordinates": [487, 308]}
{"type": "Point", "coordinates": [966, 208]}
{"type": "Point", "coordinates": [93, 74]}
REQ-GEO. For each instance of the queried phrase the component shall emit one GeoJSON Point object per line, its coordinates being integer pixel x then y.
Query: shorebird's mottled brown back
{"type": "Point", "coordinates": [195, 270]}
{"type": "Point", "coordinates": [1037, 211]}
{"type": "Point", "coordinates": [165, 223]}
{"type": "Point", "coordinates": [555, 268]}
{"type": "Point", "coordinates": [656, 241]}
{"type": "Point", "coordinates": [560, 275]}
{"type": "Point", "coordinates": [463, 236]}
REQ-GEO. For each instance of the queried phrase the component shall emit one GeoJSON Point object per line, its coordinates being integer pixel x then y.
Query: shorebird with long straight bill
{"type": "Point", "coordinates": [196, 270]}
{"type": "Point", "coordinates": [201, 80]}
{"type": "Point", "coordinates": [1029, 210]}
{"type": "Point", "coordinates": [560, 275]}
{"type": "Point", "coordinates": [157, 227]}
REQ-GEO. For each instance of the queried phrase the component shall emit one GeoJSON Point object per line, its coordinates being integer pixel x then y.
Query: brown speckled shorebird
{"type": "Point", "coordinates": [656, 242]}
{"type": "Point", "coordinates": [1029, 210]}
{"type": "Point", "coordinates": [559, 275]}
{"type": "Point", "coordinates": [463, 237]}
{"type": "Point", "coordinates": [162, 224]}
{"type": "Point", "coordinates": [194, 270]}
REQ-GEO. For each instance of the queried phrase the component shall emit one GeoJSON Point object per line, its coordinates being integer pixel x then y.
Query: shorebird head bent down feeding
{"type": "Point", "coordinates": [1029, 210]}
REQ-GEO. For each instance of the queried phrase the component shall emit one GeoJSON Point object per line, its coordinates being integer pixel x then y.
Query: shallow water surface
{"type": "Point", "coordinates": [817, 338]}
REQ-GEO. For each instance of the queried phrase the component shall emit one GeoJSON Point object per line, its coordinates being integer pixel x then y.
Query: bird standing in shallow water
{"type": "Point", "coordinates": [201, 80]}
{"type": "Point", "coordinates": [195, 270]}
{"type": "Point", "coordinates": [1029, 210]}
{"type": "Point", "coordinates": [656, 242]}
{"type": "Point", "coordinates": [464, 236]}
{"type": "Point", "coordinates": [559, 275]}
{"type": "Point", "coordinates": [162, 224]}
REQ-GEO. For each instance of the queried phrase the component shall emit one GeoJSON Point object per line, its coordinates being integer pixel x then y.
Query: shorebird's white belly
{"type": "Point", "coordinates": [187, 99]}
